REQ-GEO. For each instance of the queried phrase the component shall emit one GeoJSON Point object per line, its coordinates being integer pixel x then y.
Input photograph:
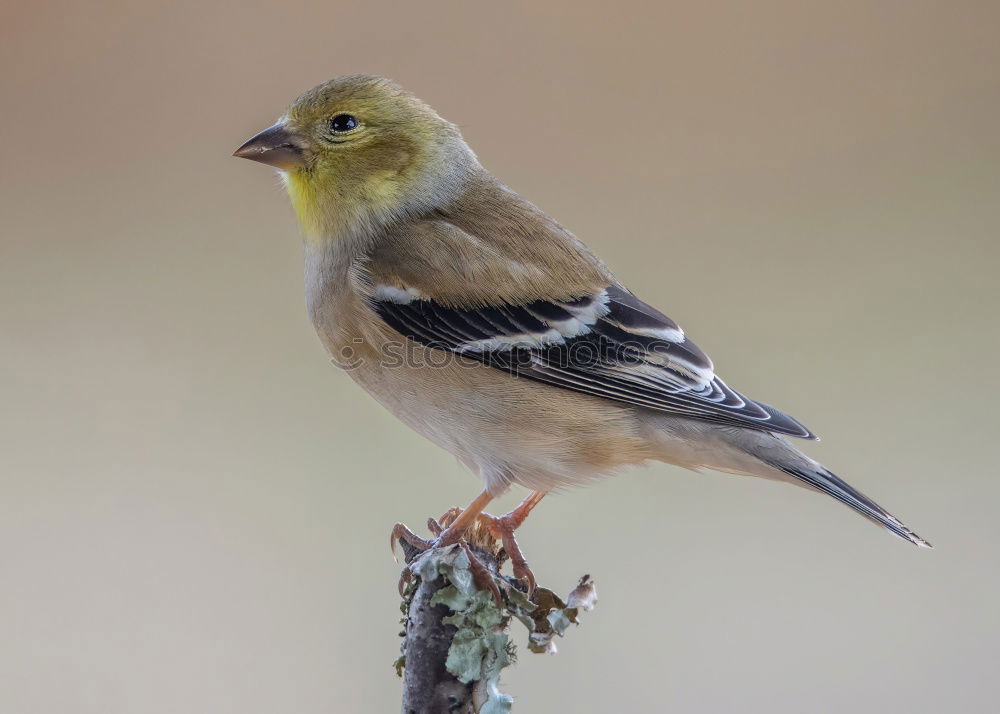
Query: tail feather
{"type": "Point", "coordinates": [829, 483]}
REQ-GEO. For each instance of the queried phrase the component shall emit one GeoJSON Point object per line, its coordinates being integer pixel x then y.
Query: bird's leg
{"type": "Point", "coordinates": [447, 536]}
{"type": "Point", "coordinates": [503, 528]}
{"type": "Point", "coordinates": [457, 528]}
{"type": "Point", "coordinates": [460, 521]}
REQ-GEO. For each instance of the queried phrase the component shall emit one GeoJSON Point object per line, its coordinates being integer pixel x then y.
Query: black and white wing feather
{"type": "Point", "coordinates": [610, 344]}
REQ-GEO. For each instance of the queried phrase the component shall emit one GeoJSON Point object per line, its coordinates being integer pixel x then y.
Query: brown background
{"type": "Point", "coordinates": [195, 503]}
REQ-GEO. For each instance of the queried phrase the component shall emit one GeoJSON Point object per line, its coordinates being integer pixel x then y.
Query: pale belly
{"type": "Point", "coordinates": [505, 428]}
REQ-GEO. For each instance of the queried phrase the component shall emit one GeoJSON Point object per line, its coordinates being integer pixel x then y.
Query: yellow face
{"type": "Point", "coordinates": [352, 145]}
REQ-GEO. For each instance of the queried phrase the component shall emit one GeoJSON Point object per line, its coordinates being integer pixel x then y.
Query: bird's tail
{"type": "Point", "coordinates": [822, 479]}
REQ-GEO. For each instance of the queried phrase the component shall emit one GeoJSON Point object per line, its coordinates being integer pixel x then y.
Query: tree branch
{"type": "Point", "coordinates": [458, 610]}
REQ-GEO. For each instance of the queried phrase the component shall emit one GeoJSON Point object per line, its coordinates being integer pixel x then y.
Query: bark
{"type": "Point", "coordinates": [458, 614]}
{"type": "Point", "coordinates": [428, 686]}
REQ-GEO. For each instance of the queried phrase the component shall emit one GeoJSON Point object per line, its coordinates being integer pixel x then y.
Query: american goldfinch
{"type": "Point", "coordinates": [489, 328]}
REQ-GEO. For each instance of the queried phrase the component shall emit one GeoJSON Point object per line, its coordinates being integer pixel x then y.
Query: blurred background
{"type": "Point", "coordinates": [195, 503]}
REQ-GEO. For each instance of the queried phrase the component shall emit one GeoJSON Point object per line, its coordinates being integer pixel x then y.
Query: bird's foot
{"type": "Point", "coordinates": [502, 528]}
{"type": "Point", "coordinates": [448, 530]}
{"type": "Point", "coordinates": [445, 535]}
{"type": "Point", "coordinates": [401, 533]}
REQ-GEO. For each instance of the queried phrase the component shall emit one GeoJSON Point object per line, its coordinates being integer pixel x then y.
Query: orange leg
{"type": "Point", "coordinates": [519, 514]}
{"type": "Point", "coordinates": [450, 535]}
{"type": "Point", "coordinates": [503, 529]}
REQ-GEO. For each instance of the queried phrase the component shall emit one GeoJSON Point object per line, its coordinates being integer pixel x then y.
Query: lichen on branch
{"type": "Point", "coordinates": [457, 612]}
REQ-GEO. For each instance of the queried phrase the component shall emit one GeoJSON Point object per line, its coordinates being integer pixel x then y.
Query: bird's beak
{"type": "Point", "coordinates": [276, 146]}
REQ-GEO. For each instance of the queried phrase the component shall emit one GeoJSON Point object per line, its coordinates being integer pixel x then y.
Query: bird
{"type": "Point", "coordinates": [489, 328]}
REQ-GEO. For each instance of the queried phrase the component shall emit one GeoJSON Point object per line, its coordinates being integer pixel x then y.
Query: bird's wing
{"type": "Point", "coordinates": [606, 343]}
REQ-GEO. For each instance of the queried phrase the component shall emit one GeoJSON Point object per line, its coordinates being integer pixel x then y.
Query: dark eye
{"type": "Point", "coordinates": [344, 122]}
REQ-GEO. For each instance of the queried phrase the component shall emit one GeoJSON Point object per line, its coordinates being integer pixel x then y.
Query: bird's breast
{"type": "Point", "coordinates": [333, 307]}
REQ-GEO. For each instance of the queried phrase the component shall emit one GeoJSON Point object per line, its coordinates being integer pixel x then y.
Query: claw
{"type": "Point", "coordinates": [405, 578]}
{"type": "Point", "coordinates": [502, 529]}
{"type": "Point", "coordinates": [523, 572]}
{"type": "Point", "coordinates": [401, 532]}
{"type": "Point", "coordinates": [481, 575]}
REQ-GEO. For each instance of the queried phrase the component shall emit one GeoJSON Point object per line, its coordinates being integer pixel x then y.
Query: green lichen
{"type": "Point", "coordinates": [481, 647]}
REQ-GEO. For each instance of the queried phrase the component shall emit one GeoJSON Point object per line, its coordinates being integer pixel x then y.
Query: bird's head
{"type": "Point", "coordinates": [358, 151]}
